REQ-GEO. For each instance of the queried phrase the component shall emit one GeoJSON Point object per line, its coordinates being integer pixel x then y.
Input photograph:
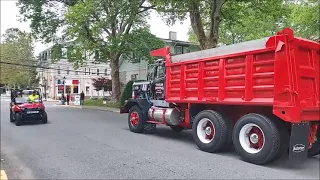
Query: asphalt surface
{"type": "Point", "coordinates": [92, 144]}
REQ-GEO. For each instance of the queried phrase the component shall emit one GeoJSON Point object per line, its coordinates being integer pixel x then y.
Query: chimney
{"type": "Point", "coordinates": [172, 35]}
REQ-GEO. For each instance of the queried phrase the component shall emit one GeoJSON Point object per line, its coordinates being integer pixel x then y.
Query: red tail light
{"type": "Point", "coordinates": [16, 108]}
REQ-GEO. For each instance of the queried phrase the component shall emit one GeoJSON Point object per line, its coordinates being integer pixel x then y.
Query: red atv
{"type": "Point", "coordinates": [22, 110]}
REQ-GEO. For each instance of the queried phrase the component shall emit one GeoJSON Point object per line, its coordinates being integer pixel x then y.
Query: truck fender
{"type": "Point", "coordinates": [142, 103]}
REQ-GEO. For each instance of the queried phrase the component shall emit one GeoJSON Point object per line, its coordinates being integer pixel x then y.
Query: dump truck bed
{"type": "Point", "coordinates": [281, 71]}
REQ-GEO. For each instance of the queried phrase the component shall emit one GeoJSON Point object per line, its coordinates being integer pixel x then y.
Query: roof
{"type": "Point", "coordinates": [180, 42]}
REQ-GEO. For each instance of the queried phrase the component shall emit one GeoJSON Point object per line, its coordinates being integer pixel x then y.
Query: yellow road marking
{"type": "Point", "coordinates": [3, 175]}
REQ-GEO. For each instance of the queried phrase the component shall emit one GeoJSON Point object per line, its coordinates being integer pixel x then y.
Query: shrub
{"type": "Point", "coordinates": [127, 92]}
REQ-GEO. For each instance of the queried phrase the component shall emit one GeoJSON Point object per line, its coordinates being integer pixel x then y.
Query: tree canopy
{"type": "Point", "coordinates": [106, 29]}
{"type": "Point", "coordinates": [17, 60]}
{"type": "Point", "coordinates": [304, 19]}
{"type": "Point", "coordinates": [233, 21]}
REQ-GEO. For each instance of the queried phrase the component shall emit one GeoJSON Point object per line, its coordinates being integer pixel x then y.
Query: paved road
{"type": "Point", "coordinates": [79, 144]}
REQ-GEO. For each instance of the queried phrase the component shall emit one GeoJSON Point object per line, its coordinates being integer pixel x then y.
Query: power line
{"type": "Point", "coordinates": [64, 65]}
{"type": "Point", "coordinates": [41, 67]}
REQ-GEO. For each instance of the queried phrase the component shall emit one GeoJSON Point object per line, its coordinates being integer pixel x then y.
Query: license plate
{"type": "Point", "coordinates": [32, 112]}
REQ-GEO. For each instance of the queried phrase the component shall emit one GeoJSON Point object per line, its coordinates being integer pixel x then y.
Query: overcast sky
{"type": "Point", "coordinates": [10, 13]}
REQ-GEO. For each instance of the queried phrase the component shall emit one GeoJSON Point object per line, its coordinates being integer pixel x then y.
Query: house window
{"type": "Point", "coordinates": [85, 71]}
{"type": "Point", "coordinates": [106, 72]}
{"type": "Point", "coordinates": [50, 52]}
{"type": "Point", "coordinates": [134, 58]}
{"type": "Point", "coordinates": [98, 72]}
{"type": "Point", "coordinates": [64, 53]}
{"type": "Point", "coordinates": [68, 70]}
{"type": "Point", "coordinates": [134, 77]}
{"type": "Point", "coordinates": [87, 90]}
{"type": "Point", "coordinates": [178, 49]}
{"type": "Point", "coordinates": [77, 72]}
{"type": "Point", "coordinates": [89, 71]}
{"type": "Point", "coordinates": [59, 70]}
{"type": "Point", "coordinates": [76, 89]}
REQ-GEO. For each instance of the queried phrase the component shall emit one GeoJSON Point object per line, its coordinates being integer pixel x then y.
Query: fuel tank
{"type": "Point", "coordinates": [169, 115]}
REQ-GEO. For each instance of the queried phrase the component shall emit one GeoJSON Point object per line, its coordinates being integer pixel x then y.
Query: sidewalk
{"type": "Point", "coordinates": [95, 108]}
{"type": "Point", "coordinates": [50, 100]}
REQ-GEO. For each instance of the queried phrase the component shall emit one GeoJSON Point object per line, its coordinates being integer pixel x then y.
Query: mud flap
{"type": "Point", "coordinates": [299, 141]}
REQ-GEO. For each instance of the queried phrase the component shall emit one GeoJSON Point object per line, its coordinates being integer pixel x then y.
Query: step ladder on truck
{"type": "Point", "coordinates": [260, 96]}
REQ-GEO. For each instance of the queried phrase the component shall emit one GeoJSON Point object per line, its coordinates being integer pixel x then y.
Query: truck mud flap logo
{"type": "Point", "coordinates": [298, 148]}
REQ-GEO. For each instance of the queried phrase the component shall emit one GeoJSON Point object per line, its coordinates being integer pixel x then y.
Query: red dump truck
{"type": "Point", "coordinates": [261, 97]}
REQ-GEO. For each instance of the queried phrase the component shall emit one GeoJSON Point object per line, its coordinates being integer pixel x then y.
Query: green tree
{"type": "Point", "coordinates": [17, 59]}
{"type": "Point", "coordinates": [304, 19]}
{"type": "Point", "coordinates": [127, 92]}
{"type": "Point", "coordinates": [207, 17]}
{"type": "Point", "coordinates": [106, 29]}
{"type": "Point", "coordinates": [244, 21]}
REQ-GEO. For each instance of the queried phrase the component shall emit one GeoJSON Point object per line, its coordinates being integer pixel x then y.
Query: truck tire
{"type": "Point", "coordinates": [256, 139]}
{"type": "Point", "coordinates": [18, 119]}
{"type": "Point", "coordinates": [135, 120]}
{"type": "Point", "coordinates": [210, 131]}
{"type": "Point", "coordinates": [11, 117]}
{"type": "Point", "coordinates": [177, 128]}
{"type": "Point", "coordinates": [315, 148]}
{"type": "Point", "coordinates": [44, 119]}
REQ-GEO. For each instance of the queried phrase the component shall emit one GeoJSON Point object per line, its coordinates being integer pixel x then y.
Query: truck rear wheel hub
{"type": "Point", "coordinates": [208, 130]}
{"type": "Point", "coordinates": [254, 138]}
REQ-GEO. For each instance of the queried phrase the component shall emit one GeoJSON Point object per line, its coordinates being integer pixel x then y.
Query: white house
{"type": "Point", "coordinates": [137, 69]}
{"type": "Point", "coordinates": [61, 77]}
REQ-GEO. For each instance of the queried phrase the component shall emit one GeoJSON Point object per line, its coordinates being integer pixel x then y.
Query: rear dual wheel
{"type": "Point", "coordinates": [211, 132]}
{"type": "Point", "coordinates": [257, 139]}
{"type": "Point", "coordinates": [315, 147]}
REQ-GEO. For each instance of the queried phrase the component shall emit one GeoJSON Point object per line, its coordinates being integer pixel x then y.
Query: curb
{"type": "Point", "coordinates": [95, 108]}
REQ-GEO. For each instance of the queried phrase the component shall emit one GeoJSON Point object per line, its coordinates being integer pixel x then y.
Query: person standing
{"type": "Point", "coordinates": [68, 98]}
{"type": "Point", "coordinates": [81, 98]}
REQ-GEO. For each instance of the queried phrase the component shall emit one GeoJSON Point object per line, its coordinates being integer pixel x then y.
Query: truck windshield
{"type": "Point", "coordinates": [161, 70]}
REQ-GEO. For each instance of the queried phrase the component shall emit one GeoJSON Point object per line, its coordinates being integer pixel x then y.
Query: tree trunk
{"type": "Point", "coordinates": [115, 77]}
{"type": "Point", "coordinates": [197, 26]}
{"type": "Point", "coordinates": [215, 18]}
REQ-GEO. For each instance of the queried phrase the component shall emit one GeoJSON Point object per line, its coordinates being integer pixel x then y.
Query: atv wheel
{"type": "Point", "coordinates": [44, 118]}
{"type": "Point", "coordinates": [18, 119]}
{"type": "Point", "coordinates": [11, 117]}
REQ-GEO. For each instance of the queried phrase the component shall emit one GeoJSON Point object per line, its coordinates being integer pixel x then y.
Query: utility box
{"type": "Point", "coordinates": [76, 100]}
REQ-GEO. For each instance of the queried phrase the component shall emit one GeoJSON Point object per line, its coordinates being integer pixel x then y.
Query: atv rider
{"type": "Point", "coordinates": [34, 96]}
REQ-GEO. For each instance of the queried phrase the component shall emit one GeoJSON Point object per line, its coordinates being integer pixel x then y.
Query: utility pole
{"type": "Point", "coordinates": [45, 87]}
